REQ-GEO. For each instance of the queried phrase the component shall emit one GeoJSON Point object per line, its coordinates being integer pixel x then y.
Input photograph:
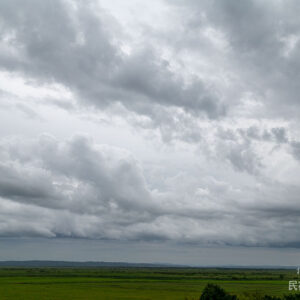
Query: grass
{"type": "Point", "coordinates": [137, 283]}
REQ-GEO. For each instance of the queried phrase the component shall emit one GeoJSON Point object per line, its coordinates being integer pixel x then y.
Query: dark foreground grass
{"type": "Point", "coordinates": [138, 283]}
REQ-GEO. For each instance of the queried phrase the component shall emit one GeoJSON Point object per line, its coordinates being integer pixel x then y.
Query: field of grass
{"type": "Point", "coordinates": [137, 283]}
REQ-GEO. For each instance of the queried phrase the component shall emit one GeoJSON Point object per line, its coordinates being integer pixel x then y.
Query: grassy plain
{"type": "Point", "coordinates": [137, 283]}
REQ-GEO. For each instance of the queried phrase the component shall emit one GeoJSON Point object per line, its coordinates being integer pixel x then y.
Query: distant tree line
{"type": "Point", "coordinates": [214, 292]}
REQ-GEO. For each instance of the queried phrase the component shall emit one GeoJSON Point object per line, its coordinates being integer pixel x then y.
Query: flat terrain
{"type": "Point", "coordinates": [138, 283]}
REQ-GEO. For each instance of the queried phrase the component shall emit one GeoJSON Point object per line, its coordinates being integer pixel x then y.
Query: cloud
{"type": "Point", "coordinates": [74, 44]}
{"type": "Point", "coordinates": [262, 47]}
{"type": "Point", "coordinates": [58, 175]}
{"type": "Point", "coordinates": [204, 62]}
{"type": "Point", "coordinates": [210, 96]}
{"type": "Point", "coordinates": [76, 188]}
{"type": "Point", "coordinates": [295, 146]}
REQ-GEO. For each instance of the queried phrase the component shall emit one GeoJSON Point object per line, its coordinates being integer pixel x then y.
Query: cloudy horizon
{"type": "Point", "coordinates": [166, 131]}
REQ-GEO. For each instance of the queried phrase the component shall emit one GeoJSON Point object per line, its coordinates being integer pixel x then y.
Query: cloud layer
{"type": "Point", "coordinates": [74, 44]}
{"type": "Point", "coordinates": [76, 188]}
{"type": "Point", "coordinates": [209, 91]}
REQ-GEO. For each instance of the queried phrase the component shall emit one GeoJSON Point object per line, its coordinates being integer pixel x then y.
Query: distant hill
{"type": "Point", "coordinates": [49, 263]}
{"type": "Point", "coordinates": [91, 264]}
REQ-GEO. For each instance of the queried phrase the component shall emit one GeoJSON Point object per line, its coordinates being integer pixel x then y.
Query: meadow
{"type": "Point", "coordinates": [138, 283]}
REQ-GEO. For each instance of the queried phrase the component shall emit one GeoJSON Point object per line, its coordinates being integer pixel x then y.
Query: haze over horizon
{"type": "Point", "coordinates": [163, 131]}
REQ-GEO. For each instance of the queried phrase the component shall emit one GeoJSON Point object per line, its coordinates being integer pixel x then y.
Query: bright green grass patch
{"type": "Point", "coordinates": [136, 283]}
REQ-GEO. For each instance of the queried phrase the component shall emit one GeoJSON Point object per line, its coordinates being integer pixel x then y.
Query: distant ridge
{"type": "Point", "coordinates": [50, 263]}
{"type": "Point", "coordinates": [91, 264]}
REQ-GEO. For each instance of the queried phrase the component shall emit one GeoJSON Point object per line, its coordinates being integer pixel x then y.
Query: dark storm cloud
{"type": "Point", "coordinates": [72, 44]}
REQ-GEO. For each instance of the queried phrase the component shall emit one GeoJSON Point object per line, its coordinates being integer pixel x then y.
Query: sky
{"type": "Point", "coordinates": [164, 131]}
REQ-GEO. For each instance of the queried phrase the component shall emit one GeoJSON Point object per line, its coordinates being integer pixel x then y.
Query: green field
{"type": "Point", "coordinates": [138, 283]}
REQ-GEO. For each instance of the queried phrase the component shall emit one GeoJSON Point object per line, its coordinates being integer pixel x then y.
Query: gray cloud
{"type": "Point", "coordinates": [262, 47]}
{"type": "Point", "coordinates": [242, 146]}
{"type": "Point", "coordinates": [110, 177]}
{"type": "Point", "coordinates": [81, 189]}
{"type": "Point", "coordinates": [276, 134]}
{"type": "Point", "coordinates": [207, 100]}
{"type": "Point", "coordinates": [295, 146]}
{"type": "Point", "coordinates": [72, 43]}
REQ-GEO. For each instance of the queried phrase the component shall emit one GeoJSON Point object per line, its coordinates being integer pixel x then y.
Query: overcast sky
{"type": "Point", "coordinates": [151, 131]}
